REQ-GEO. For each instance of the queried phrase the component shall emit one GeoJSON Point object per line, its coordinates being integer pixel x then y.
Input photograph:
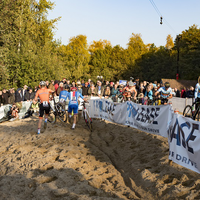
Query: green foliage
{"type": "Point", "coordinates": [189, 47]}
{"type": "Point", "coordinates": [28, 53]}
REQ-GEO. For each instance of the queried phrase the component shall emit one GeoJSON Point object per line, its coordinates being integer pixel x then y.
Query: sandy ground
{"type": "Point", "coordinates": [112, 162]}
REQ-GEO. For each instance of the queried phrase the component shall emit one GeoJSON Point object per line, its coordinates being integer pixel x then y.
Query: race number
{"type": "Point", "coordinates": [45, 104]}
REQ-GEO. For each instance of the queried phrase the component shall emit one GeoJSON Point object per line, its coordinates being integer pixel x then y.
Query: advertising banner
{"type": "Point", "coordinates": [151, 119]}
{"type": "Point", "coordinates": [184, 140]}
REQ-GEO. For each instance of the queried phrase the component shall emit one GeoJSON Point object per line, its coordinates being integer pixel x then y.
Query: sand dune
{"type": "Point", "coordinates": [112, 162]}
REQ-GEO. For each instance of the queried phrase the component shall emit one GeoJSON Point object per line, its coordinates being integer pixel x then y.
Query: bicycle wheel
{"type": "Point", "coordinates": [88, 121]}
{"type": "Point", "coordinates": [51, 117]}
{"type": "Point", "coordinates": [61, 112]}
{"type": "Point", "coordinates": [62, 116]}
{"type": "Point", "coordinates": [197, 116]}
{"type": "Point", "coordinates": [187, 112]}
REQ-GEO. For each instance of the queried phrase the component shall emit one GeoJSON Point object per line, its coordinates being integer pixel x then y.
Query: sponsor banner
{"type": "Point", "coordinates": [184, 140]}
{"type": "Point", "coordinates": [4, 110]}
{"type": "Point", "coordinates": [108, 110]}
{"type": "Point", "coordinates": [151, 119]}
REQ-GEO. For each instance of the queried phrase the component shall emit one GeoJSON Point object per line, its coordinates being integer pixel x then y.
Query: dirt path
{"type": "Point", "coordinates": [113, 162]}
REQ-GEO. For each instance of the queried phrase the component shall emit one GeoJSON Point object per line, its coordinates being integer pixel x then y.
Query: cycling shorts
{"type": "Point", "coordinates": [163, 101]}
{"type": "Point", "coordinates": [43, 109]}
{"type": "Point", "coordinates": [73, 107]}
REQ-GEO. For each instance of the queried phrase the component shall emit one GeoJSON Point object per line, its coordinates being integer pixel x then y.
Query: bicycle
{"type": "Point", "coordinates": [57, 110]}
{"type": "Point", "coordinates": [87, 117]}
{"type": "Point", "coordinates": [189, 111]}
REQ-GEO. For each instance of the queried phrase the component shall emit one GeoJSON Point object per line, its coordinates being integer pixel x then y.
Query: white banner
{"type": "Point", "coordinates": [184, 142]}
{"type": "Point", "coordinates": [108, 110]}
{"type": "Point", "coordinates": [151, 119]}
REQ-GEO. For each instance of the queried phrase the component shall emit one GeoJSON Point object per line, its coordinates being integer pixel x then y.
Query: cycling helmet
{"type": "Point", "coordinates": [42, 83]}
{"type": "Point", "coordinates": [167, 85]}
{"type": "Point", "coordinates": [73, 88]}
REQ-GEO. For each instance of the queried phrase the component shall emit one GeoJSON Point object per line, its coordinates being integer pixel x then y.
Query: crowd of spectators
{"type": "Point", "coordinates": [142, 91]}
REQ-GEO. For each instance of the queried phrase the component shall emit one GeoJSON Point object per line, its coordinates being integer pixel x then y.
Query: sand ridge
{"type": "Point", "coordinates": [112, 162]}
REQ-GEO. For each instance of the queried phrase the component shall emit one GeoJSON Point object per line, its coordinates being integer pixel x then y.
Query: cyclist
{"type": "Point", "coordinates": [63, 97]}
{"type": "Point", "coordinates": [197, 93]}
{"type": "Point", "coordinates": [165, 93]}
{"type": "Point", "coordinates": [43, 93]}
{"type": "Point", "coordinates": [73, 104]}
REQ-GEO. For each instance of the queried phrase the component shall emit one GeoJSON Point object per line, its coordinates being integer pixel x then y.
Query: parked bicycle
{"type": "Point", "coordinates": [87, 117]}
{"type": "Point", "coordinates": [191, 112]}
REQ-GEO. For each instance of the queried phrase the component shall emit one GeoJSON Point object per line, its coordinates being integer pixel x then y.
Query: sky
{"type": "Point", "coordinates": [116, 20]}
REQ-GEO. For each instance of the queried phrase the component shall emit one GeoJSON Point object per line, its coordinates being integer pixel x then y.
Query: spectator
{"type": "Point", "coordinates": [137, 81]}
{"type": "Point", "coordinates": [19, 97]}
{"type": "Point", "coordinates": [107, 92]}
{"type": "Point", "coordinates": [30, 95]}
{"type": "Point", "coordinates": [56, 85]}
{"type": "Point", "coordinates": [99, 89]}
{"type": "Point", "coordinates": [11, 99]}
{"type": "Point", "coordinates": [89, 82]}
{"type": "Point", "coordinates": [190, 92]}
{"type": "Point", "coordinates": [155, 89]}
{"type": "Point", "coordinates": [60, 88]}
{"type": "Point", "coordinates": [183, 92]}
{"type": "Point", "coordinates": [107, 84]}
{"type": "Point", "coordinates": [115, 92]}
{"type": "Point", "coordinates": [24, 90]}
{"type": "Point", "coordinates": [141, 89]}
{"type": "Point", "coordinates": [68, 85]}
{"type": "Point", "coordinates": [111, 85]}
{"type": "Point", "coordinates": [64, 82]}
{"type": "Point", "coordinates": [1, 99]}
{"type": "Point", "coordinates": [82, 83]}
{"type": "Point", "coordinates": [91, 90]}
{"type": "Point", "coordinates": [47, 84]}
{"type": "Point", "coordinates": [51, 86]}
{"type": "Point", "coordinates": [177, 92]}
{"type": "Point", "coordinates": [85, 89]}
{"type": "Point", "coordinates": [5, 96]}
{"type": "Point", "coordinates": [149, 94]}
{"type": "Point", "coordinates": [79, 89]}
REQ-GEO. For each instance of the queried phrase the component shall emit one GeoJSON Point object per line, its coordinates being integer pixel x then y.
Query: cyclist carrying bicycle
{"type": "Point", "coordinates": [197, 93]}
{"type": "Point", "coordinates": [165, 93]}
{"type": "Point", "coordinates": [44, 106]}
{"type": "Point", "coordinates": [73, 104]}
{"type": "Point", "coordinates": [63, 97]}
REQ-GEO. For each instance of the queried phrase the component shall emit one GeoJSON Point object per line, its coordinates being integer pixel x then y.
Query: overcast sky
{"type": "Point", "coordinates": [116, 20]}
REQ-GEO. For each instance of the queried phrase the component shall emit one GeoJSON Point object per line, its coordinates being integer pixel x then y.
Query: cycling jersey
{"type": "Point", "coordinates": [63, 96]}
{"type": "Point", "coordinates": [43, 94]}
{"type": "Point", "coordinates": [197, 91]}
{"type": "Point", "coordinates": [165, 93]}
{"type": "Point", "coordinates": [73, 97]}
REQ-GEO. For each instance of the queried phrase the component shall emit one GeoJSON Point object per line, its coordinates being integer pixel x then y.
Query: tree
{"type": "Point", "coordinates": [169, 42]}
{"type": "Point", "coordinates": [101, 44]}
{"type": "Point", "coordinates": [189, 56]}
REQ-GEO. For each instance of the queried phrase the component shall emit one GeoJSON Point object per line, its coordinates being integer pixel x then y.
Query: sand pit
{"type": "Point", "coordinates": [113, 162]}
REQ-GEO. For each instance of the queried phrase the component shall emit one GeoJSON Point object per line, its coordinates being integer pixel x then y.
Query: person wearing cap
{"type": "Point", "coordinates": [165, 93]}
{"type": "Point", "coordinates": [73, 104]}
{"type": "Point", "coordinates": [43, 93]}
